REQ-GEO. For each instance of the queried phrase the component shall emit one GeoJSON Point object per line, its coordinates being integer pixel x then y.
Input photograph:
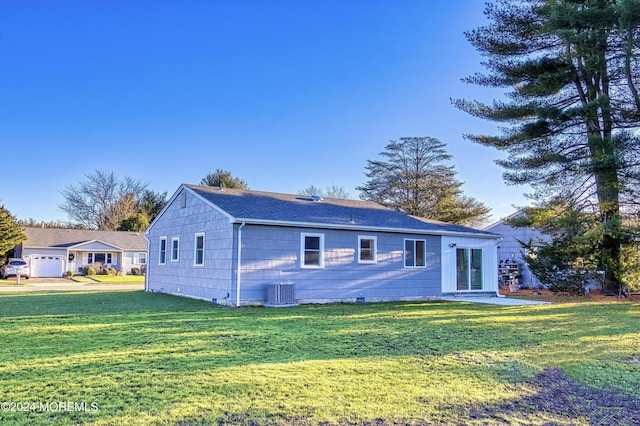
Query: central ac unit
{"type": "Point", "coordinates": [283, 293]}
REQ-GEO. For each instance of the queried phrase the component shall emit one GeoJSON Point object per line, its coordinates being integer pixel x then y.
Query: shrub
{"type": "Point", "coordinates": [560, 266]}
{"type": "Point", "coordinates": [135, 271]}
{"type": "Point", "coordinates": [108, 271]}
{"type": "Point", "coordinates": [68, 274]}
{"type": "Point", "coordinates": [630, 263]}
{"type": "Point", "coordinates": [89, 270]}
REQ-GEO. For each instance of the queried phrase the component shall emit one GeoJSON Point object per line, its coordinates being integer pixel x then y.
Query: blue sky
{"type": "Point", "coordinates": [284, 94]}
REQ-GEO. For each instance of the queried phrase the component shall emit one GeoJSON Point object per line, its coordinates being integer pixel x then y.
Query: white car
{"type": "Point", "coordinates": [15, 267]}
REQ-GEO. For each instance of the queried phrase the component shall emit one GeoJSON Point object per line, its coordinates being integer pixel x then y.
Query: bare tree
{"type": "Point", "coordinates": [103, 200]}
{"type": "Point", "coordinates": [331, 191]}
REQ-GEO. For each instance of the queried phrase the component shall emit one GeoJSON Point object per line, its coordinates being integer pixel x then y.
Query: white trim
{"type": "Point", "coordinates": [449, 280]}
{"type": "Point", "coordinates": [303, 249]}
{"type": "Point", "coordinates": [93, 254]}
{"type": "Point", "coordinates": [173, 198]}
{"type": "Point", "coordinates": [468, 250]}
{"type": "Point", "coordinates": [195, 248]}
{"type": "Point", "coordinates": [135, 259]}
{"type": "Point", "coordinates": [404, 253]}
{"type": "Point", "coordinates": [177, 258]}
{"type": "Point", "coordinates": [78, 247]}
{"type": "Point", "coordinates": [375, 248]}
{"type": "Point", "coordinates": [239, 265]}
{"type": "Point", "coordinates": [160, 240]}
{"type": "Point", "coordinates": [146, 275]}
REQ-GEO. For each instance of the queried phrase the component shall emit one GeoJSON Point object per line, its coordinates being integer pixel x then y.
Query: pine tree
{"type": "Point", "coordinates": [414, 178]}
{"type": "Point", "coordinates": [11, 232]}
{"type": "Point", "coordinates": [572, 67]}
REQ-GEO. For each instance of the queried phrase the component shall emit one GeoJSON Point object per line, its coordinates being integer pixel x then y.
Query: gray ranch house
{"type": "Point", "coordinates": [51, 252]}
{"type": "Point", "coordinates": [241, 247]}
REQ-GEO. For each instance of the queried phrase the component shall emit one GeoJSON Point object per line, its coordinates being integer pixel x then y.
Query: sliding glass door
{"type": "Point", "coordinates": [469, 269]}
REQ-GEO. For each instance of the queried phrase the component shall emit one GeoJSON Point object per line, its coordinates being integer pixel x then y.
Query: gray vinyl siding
{"type": "Point", "coordinates": [213, 280]}
{"type": "Point", "coordinates": [272, 254]}
{"type": "Point", "coordinates": [510, 244]}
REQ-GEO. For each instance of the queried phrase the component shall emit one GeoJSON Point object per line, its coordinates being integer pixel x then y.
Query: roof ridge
{"type": "Point", "coordinates": [215, 189]}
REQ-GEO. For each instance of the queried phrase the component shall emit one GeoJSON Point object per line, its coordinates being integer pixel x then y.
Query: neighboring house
{"type": "Point", "coordinates": [231, 246]}
{"type": "Point", "coordinates": [51, 252]}
{"type": "Point", "coordinates": [509, 249]}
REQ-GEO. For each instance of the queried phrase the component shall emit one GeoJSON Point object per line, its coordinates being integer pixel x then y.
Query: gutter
{"type": "Point", "coordinates": [479, 234]}
{"type": "Point", "coordinates": [239, 264]}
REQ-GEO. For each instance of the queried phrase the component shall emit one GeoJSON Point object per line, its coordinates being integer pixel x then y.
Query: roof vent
{"type": "Point", "coordinates": [316, 198]}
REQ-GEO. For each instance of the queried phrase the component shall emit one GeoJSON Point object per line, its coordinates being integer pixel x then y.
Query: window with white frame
{"type": "Point", "coordinates": [311, 250]}
{"type": "Point", "coordinates": [162, 255]}
{"type": "Point", "coordinates": [99, 258]}
{"type": "Point", "coordinates": [367, 249]}
{"type": "Point", "coordinates": [198, 255]}
{"type": "Point", "coordinates": [175, 249]}
{"type": "Point", "coordinates": [415, 253]}
{"type": "Point", "coordinates": [183, 200]}
{"type": "Point", "coordinates": [140, 258]}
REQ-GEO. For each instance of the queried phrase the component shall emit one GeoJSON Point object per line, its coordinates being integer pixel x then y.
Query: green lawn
{"type": "Point", "coordinates": [153, 359]}
{"type": "Point", "coordinates": [113, 279]}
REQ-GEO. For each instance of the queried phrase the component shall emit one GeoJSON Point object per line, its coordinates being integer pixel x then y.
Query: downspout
{"type": "Point", "coordinates": [239, 264]}
{"type": "Point", "coordinates": [146, 273]}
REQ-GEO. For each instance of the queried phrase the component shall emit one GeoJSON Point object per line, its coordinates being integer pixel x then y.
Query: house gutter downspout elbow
{"type": "Point", "coordinates": [239, 264]}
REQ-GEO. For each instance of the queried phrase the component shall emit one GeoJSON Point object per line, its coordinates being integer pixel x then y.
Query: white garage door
{"type": "Point", "coordinates": [46, 266]}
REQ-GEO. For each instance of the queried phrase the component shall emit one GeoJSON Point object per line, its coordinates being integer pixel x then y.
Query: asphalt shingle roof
{"type": "Point", "coordinates": [288, 208]}
{"type": "Point", "coordinates": [61, 238]}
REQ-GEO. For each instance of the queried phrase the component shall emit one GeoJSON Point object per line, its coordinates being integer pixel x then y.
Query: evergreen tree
{"type": "Point", "coordinates": [152, 203]}
{"type": "Point", "coordinates": [572, 67]}
{"type": "Point", "coordinates": [223, 179]}
{"type": "Point", "coordinates": [570, 259]}
{"type": "Point", "coordinates": [11, 232]}
{"type": "Point", "coordinates": [139, 222]}
{"type": "Point", "coordinates": [414, 178]}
